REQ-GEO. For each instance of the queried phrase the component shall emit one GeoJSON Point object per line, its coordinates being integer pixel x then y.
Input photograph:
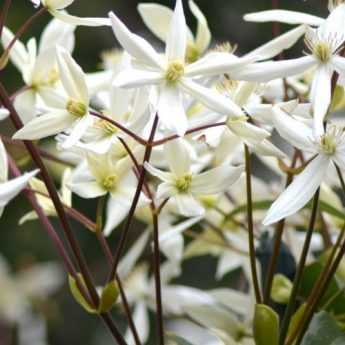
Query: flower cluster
{"type": "Point", "coordinates": [167, 138]}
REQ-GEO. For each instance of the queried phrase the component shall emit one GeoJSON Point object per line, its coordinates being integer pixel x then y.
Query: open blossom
{"type": "Point", "coordinates": [68, 111]}
{"type": "Point", "coordinates": [325, 149]}
{"type": "Point", "coordinates": [57, 9]}
{"type": "Point", "coordinates": [9, 189]}
{"type": "Point", "coordinates": [324, 44]}
{"type": "Point", "coordinates": [184, 185]}
{"type": "Point", "coordinates": [38, 65]}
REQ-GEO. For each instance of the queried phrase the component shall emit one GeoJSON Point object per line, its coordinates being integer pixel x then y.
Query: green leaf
{"type": "Point", "coordinates": [78, 295]}
{"type": "Point", "coordinates": [266, 325]}
{"type": "Point", "coordinates": [327, 208]}
{"type": "Point", "coordinates": [258, 205]}
{"type": "Point", "coordinates": [174, 339]}
{"type": "Point", "coordinates": [109, 296]}
{"type": "Point", "coordinates": [323, 330]}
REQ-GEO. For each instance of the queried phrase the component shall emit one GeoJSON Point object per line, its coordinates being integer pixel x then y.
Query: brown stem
{"type": "Point", "coordinates": [3, 15]}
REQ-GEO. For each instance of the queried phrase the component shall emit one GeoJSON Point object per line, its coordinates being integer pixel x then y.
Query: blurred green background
{"type": "Point", "coordinates": [67, 323]}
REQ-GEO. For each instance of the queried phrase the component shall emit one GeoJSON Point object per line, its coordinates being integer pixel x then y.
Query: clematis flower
{"type": "Point", "coordinates": [10, 189]}
{"type": "Point", "coordinates": [38, 65]}
{"type": "Point", "coordinates": [184, 185]}
{"type": "Point", "coordinates": [101, 175]}
{"type": "Point", "coordinates": [56, 9]}
{"type": "Point", "coordinates": [68, 112]}
{"type": "Point", "coordinates": [325, 149]}
{"type": "Point", "coordinates": [158, 17]}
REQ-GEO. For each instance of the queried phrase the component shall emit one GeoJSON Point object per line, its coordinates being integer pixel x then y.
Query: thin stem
{"type": "Point", "coordinates": [99, 213]}
{"type": "Point", "coordinates": [20, 32]}
{"type": "Point", "coordinates": [251, 226]}
{"type": "Point", "coordinates": [124, 233]}
{"type": "Point", "coordinates": [301, 264]}
{"type": "Point", "coordinates": [157, 275]}
{"type": "Point", "coordinates": [277, 242]}
{"type": "Point", "coordinates": [109, 322]}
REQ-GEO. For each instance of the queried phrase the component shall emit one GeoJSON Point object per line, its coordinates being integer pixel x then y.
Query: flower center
{"type": "Point", "coordinates": [328, 144]}
{"type": "Point", "coordinates": [106, 126]}
{"type": "Point", "coordinates": [183, 183]}
{"type": "Point", "coordinates": [322, 51]}
{"type": "Point", "coordinates": [76, 108]}
{"type": "Point", "coordinates": [236, 120]}
{"type": "Point", "coordinates": [192, 53]}
{"type": "Point", "coordinates": [109, 183]}
{"type": "Point", "coordinates": [174, 71]}
{"type": "Point", "coordinates": [331, 139]}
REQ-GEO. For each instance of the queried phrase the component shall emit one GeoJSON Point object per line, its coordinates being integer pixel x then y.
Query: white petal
{"type": "Point", "coordinates": [134, 44]}
{"type": "Point", "coordinates": [177, 36]}
{"type": "Point", "coordinates": [203, 33]}
{"type": "Point", "coordinates": [3, 163]}
{"type": "Point", "coordinates": [10, 189]}
{"type": "Point", "coordinates": [320, 96]}
{"type": "Point", "coordinates": [339, 158]}
{"type": "Point", "coordinates": [334, 24]}
{"type": "Point", "coordinates": [188, 206]}
{"type": "Point", "coordinates": [166, 190]}
{"type": "Point", "coordinates": [162, 175]}
{"type": "Point", "coordinates": [87, 190]}
{"type": "Point", "coordinates": [131, 78]}
{"type": "Point", "coordinates": [57, 4]}
{"type": "Point", "coordinates": [4, 113]}
{"type": "Point", "coordinates": [73, 20]}
{"type": "Point", "coordinates": [266, 148]}
{"type": "Point", "coordinates": [215, 180]}
{"type": "Point", "coordinates": [178, 156]}
{"type": "Point", "coordinates": [171, 110]}
{"type": "Point", "coordinates": [142, 323]}
{"type": "Point", "coordinates": [267, 71]}
{"type": "Point", "coordinates": [339, 64]}
{"type": "Point", "coordinates": [246, 130]}
{"type": "Point", "coordinates": [72, 77]}
{"type": "Point", "coordinates": [295, 132]}
{"type": "Point", "coordinates": [300, 191]}
{"type": "Point", "coordinates": [278, 44]}
{"type": "Point", "coordinates": [211, 98]}
{"type": "Point", "coordinates": [217, 63]}
{"type": "Point", "coordinates": [45, 125]}
{"type": "Point", "coordinates": [52, 98]}
{"type": "Point", "coordinates": [25, 104]}
{"type": "Point", "coordinates": [284, 16]}
{"type": "Point", "coordinates": [78, 131]}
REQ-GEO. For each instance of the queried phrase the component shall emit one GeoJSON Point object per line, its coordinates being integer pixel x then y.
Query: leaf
{"type": "Point", "coordinates": [323, 330]}
{"type": "Point", "coordinates": [173, 339]}
{"type": "Point", "coordinates": [266, 325]}
{"type": "Point", "coordinates": [327, 208]}
{"type": "Point", "coordinates": [78, 295]}
{"type": "Point", "coordinates": [258, 205]}
{"type": "Point", "coordinates": [109, 296]}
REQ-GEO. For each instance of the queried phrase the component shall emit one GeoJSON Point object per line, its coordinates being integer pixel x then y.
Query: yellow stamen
{"type": "Point", "coordinates": [174, 71]}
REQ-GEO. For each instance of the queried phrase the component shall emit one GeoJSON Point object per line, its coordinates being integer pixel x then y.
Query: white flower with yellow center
{"type": "Point", "coordinates": [100, 175]}
{"type": "Point", "coordinates": [68, 111]}
{"type": "Point", "coordinates": [325, 44]}
{"type": "Point", "coordinates": [184, 185]}
{"type": "Point", "coordinates": [329, 147]}
{"type": "Point", "coordinates": [57, 9]}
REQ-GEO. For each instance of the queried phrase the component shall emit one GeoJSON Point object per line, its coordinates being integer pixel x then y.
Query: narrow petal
{"type": "Point", "coordinates": [73, 20]}
{"type": "Point", "coordinates": [339, 64]}
{"type": "Point", "coordinates": [320, 96]}
{"type": "Point", "coordinates": [211, 98]}
{"type": "Point", "coordinates": [25, 104]}
{"type": "Point", "coordinates": [142, 323]}
{"type": "Point", "coordinates": [300, 191]}
{"type": "Point", "coordinates": [171, 110]}
{"type": "Point", "coordinates": [45, 125]}
{"type": "Point", "coordinates": [267, 71]}
{"type": "Point", "coordinates": [334, 23]}
{"type": "Point", "coordinates": [215, 180]}
{"type": "Point", "coordinates": [134, 44]}
{"type": "Point", "coordinates": [284, 16]}
{"type": "Point", "coordinates": [295, 132]}
{"type": "Point", "coordinates": [177, 36]}
{"type": "Point", "coordinates": [72, 77]}
{"type": "Point", "coordinates": [4, 113]}
{"type": "Point", "coordinates": [178, 156]}
{"type": "Point", "coordinates": [57, 4]}
{"type": "Point", "coordinates": [203, 33]}
{"type": "Point", "coordinates": [278, 44]}
{"type": "Point", "coordinates": [87, 190]}
{"type": "Point", "coordinates": [3, 163]}
{"type": "Point", "coordinates": [246, 130]}
{"type": "Point", "coordinates": [166, 190]}
{"type": "Point", "coordinates": [162, 175]}
{"type": "Point", "coordinates": [188, 206]}
{"type": "Point", "coordinates": [10, 189]}
{"type": "Point", "coordinates": [266, 148]}
{"type": "Point", "coordinates": [133, 78]}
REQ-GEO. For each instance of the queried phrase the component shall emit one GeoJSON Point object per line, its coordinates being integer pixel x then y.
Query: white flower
{"type": "Point", "coordinates": [324, 44]}
{"type": "Point", "coordinates": [327, 148]}
{"type": "Point", "coordinates": [38, 64]}
{"type": "Point", "coordinates": [56, 9]}
{"type": "Point", "coordinates": [4, 113]}
{"type": "Point", "coordinates": [184, 186]}
{"type": "Point", "coordinates": [100, 175]}
{"type": "Point", "coordinates": [10, 189]}
{"type": "Point", "coordinates": [68, 112]}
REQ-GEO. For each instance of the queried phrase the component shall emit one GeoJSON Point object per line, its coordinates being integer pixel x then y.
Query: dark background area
{"type": "Point", "coordinates": [68, 324]}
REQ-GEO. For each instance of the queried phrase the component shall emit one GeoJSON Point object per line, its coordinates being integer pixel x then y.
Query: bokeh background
{"type": "Point", "coordinates": [27, 245]}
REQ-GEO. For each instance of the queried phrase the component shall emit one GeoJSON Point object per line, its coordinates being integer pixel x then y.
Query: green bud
{"type": "Point", "coordinates": [281, 289]}
{"type": "Point", "coordinates": [265, 326]}
{"type": "Point", "coordinates": [109, 296]}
